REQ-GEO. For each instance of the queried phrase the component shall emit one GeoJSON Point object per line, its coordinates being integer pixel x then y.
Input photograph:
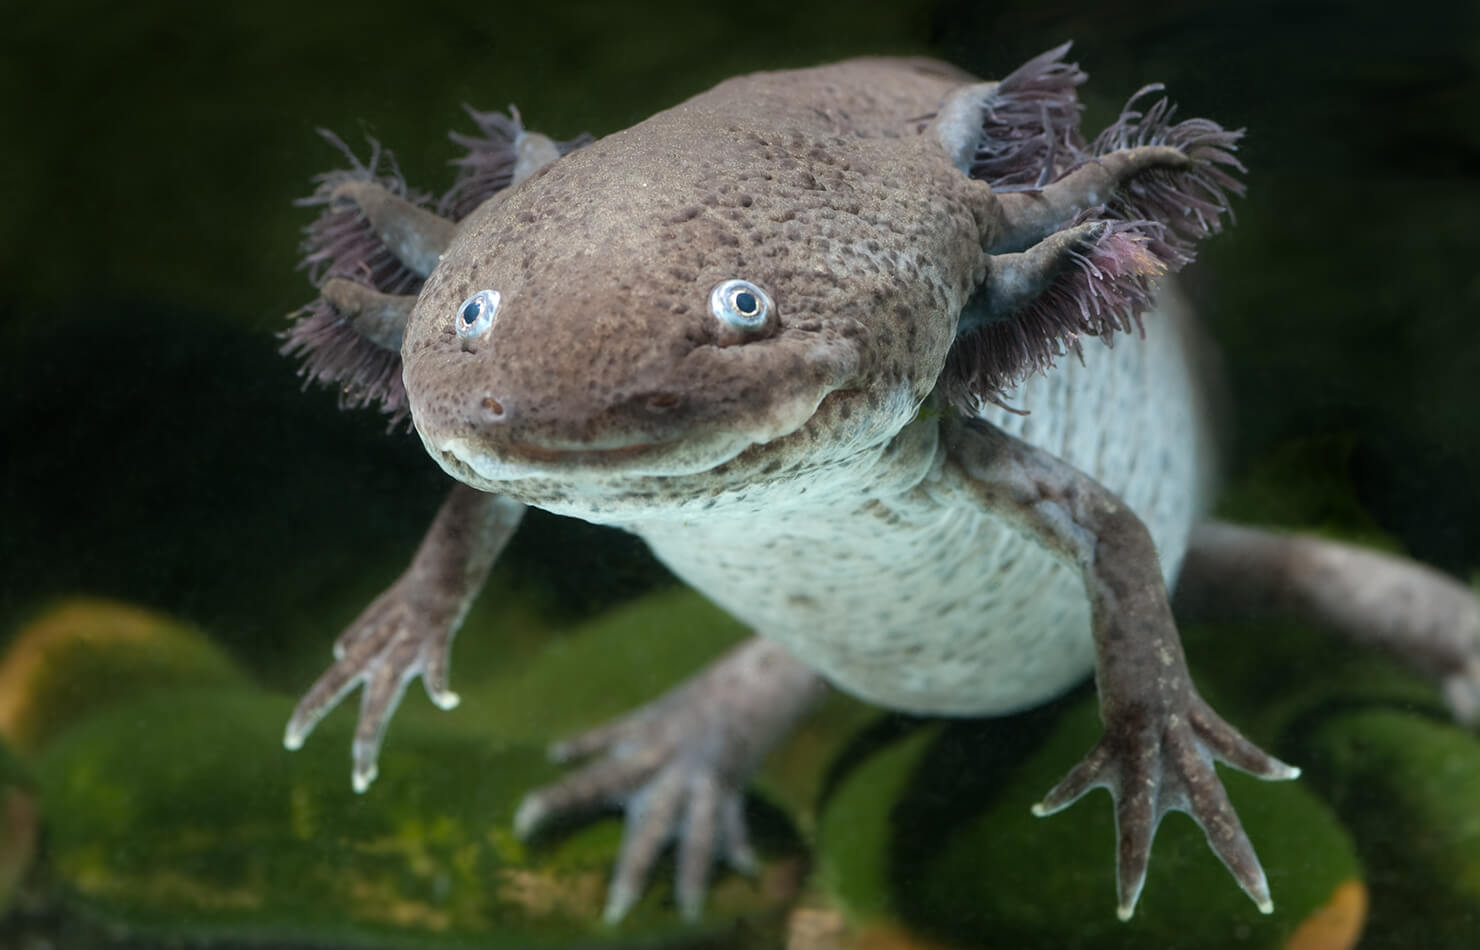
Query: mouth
{"type": "Point", "coordinates": [520, 461]}
{"type": "Point", "coordinates": [540, 453]}
{"type": "Point", "coordinates": [481, 465]}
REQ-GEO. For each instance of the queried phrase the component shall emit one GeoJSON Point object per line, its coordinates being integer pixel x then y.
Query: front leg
{"type": "Point", "coordinates": [407, 631]}
{"type": "Point", "coordinates": [1160, 737]}
{"type": "Point", "coordinates": [679, 765]}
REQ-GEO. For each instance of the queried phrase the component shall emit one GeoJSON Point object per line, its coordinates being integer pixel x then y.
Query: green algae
{"type": "Point", "coordinates": [173, 809]}
{"type": "Point", "coordinates": [605, 667]}
{"type": "Point", "coordinates": [181, 814]}
{"type": "Point", "coordinates": [1406, 783]}
{"type": "Point", "coordinates": [629, 656]}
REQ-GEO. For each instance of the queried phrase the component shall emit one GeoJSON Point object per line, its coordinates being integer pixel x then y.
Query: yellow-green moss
{"type": "Point", "coordinates": [85, 654]}
{"type": "Point", "coordinates": [181, 814]}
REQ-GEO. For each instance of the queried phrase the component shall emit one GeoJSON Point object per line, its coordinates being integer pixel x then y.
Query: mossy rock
{"type": "Point", "coordinates": [1377, 743]}
{"type": "Point", "coordinates": [599, 669]}
{"type": "Point", "coordinates": [13, 772]}
{"type": "Point", "coordinates": [1375, 739]}
{"type": "Point", "coordinates": [19, 825]}
{"type": "Point", "coordinates": [180, 814]}
{"type": "Point", "coordinates": [606, 667]}
{"type": "Point", "coordinates": [932, 833]}
{"type": "Point", "coordinates": [86, 654]}
{"type": "Point", "coordinates": [1407, 785]}
{"type": "Point", "coordinates": [173, 809]}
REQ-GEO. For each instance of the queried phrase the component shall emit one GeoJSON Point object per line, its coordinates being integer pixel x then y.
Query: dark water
{"type": "Point", "coordinates": [157, 450]}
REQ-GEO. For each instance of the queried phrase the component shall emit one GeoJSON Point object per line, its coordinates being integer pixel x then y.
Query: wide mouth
{"type": "Point", "coordinates": [486, 465]}
{"type": "Point", "coordinates": [541, 453]}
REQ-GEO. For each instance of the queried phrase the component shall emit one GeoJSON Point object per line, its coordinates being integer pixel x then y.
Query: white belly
{"type": "Point", "coordinates": [938, 610]}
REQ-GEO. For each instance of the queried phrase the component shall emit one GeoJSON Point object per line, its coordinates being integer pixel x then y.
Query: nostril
{"type": "Point", "coordinates": [663, 402]}
{"type": "Point", "coordinates": [493, 410]}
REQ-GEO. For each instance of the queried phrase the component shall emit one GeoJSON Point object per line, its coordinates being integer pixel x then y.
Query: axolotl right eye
{"type": "Point", "coordinates": [475, 316]}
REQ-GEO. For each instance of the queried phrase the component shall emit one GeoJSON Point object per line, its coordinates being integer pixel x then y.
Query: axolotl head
{"type": "Point", "coordinates": [752, 293]}
{"type": "Point", "coordinates": [687, 308]}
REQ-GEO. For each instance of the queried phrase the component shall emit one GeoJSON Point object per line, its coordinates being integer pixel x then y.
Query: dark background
{"type": "Point", "coordinates": [156, 449]}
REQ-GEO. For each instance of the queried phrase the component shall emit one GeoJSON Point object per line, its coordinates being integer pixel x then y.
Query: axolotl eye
{"type": "Point", "coordinates": [475, 316]}
{"type": "Point", "coordinates": [742, 307]}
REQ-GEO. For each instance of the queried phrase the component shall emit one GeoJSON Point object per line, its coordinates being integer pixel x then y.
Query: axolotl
{"type": "Point", "coordinates": [836, 343]}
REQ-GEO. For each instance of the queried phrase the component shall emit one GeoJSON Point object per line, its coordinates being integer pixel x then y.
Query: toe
{"type": "Point", "coordinates": [435, 678]}
{"type": "Point", "coordinates": [323, 696]}
{"type": "Point", "coordinates": [1462, 694]}
{"type": "Point", "coordinates": [599, 784]}
{"type": "Point", "coordinates": [736, 835]}
{"type": "Point", "coordinates": [383, 692]}
{"type": "Point", "coordinates": [697, 839]}
{"type": "Point", "coordinates": [588, 743]}
{"type": "Point", "coordinates": [1227, 744]}
{"type": "Point", "coordinates": [1203, 797]}
{"type": "Point", "coordinates": [651, 819]}
{"type": "Point", "coordinates": [1136, 818]}
{"type": "Point", "coordinates": [1088, 774]}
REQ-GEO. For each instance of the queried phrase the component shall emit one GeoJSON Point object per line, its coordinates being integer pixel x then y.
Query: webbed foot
{"type": "Point", "coordinates": [678, 768]}
{"type": "Point", "coordinates": [1154, 761]}
{"type": "Point", "coordinates": [408, 630]}
{"type": "Point", "coordinates": [395, 640]}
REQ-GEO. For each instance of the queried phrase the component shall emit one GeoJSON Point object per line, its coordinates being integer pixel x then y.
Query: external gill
{"type": "Point", "coordinates": [1029, 125]}
{"type": "Point", "coordinates": [343, 247]}
{"type": "Point", "coordinates": [373, 245]}
{"type": "Point", "coordinates": [1028, 217]}
{"type": "Point", "coordinates": [1079, 255]}
{"type": "Point", "coordinates": [503, 154]}
{"type": "Point", "coordinates": [1094, 278]}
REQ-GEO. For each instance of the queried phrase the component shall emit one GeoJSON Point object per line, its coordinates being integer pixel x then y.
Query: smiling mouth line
{"type": "Point", "coordinates": [543, 454]}
{"type": "Point", "coordinates": [527, 459]}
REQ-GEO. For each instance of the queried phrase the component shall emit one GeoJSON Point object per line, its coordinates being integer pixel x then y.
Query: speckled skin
{"type": "Point", "coordinates": [814, 472]}
{"type": "Point", "coordinates": [788, 483]}
{"type": "Point", "coordinates": [913, 601]}
{"type": "Point", "coordinates": [866, 237]}
{"type": "Point", "coordinates": [823, 474]}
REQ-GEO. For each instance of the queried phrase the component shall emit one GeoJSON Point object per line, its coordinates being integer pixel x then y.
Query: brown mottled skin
{"type": "Point", "coordinates": [790, 471]}
{"type": "Point", "coordinates": [857, 235]}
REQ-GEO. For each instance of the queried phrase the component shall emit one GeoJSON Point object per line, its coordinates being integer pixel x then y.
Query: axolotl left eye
{"type": "Point", "coordinates": [475, 316]}
{"type": "Point", "coordinates": [744, 310]}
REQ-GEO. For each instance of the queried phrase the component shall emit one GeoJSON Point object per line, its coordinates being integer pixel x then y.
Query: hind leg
{"type": "Point", "coordinates": [1423, 616]}
{"type": "Point", "coordinates": [678, 768]}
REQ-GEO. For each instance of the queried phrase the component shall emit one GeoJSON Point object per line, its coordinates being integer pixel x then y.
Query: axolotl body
{"type": "Point", "coordinates": [831, 341]}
